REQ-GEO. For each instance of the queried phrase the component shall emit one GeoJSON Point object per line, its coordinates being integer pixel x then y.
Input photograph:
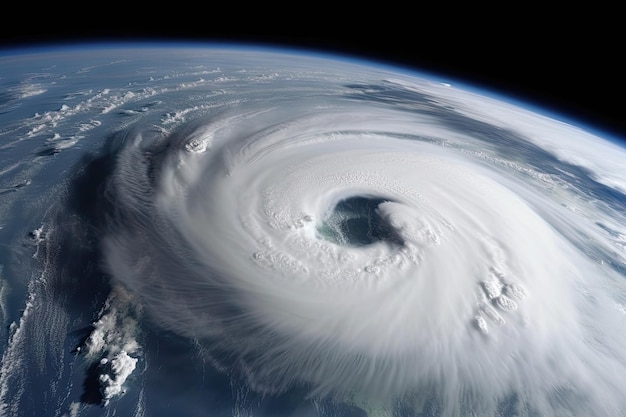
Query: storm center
{"type": "Point", "coordinates": [356, 222]}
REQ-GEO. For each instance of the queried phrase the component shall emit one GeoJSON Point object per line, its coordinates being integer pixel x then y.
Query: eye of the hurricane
{"type": "Point", "coordinates": [355, 221]}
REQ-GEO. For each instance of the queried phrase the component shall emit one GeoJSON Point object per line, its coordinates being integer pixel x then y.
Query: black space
{"type": "Point", "coordinates": [569, 62]}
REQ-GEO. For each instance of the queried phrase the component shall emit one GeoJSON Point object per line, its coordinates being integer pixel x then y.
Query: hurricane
{"type": "Point", "coordinates": [365, 237]}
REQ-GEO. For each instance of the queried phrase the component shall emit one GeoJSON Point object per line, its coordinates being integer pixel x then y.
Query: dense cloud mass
{"type": "Point", "coordinates": [352, 234]}
{"type": "Point", "coordinates": [364, 242]}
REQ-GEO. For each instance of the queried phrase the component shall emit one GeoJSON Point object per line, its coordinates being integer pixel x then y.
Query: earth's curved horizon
{"type": "Point", "coordinates": [229, 230]}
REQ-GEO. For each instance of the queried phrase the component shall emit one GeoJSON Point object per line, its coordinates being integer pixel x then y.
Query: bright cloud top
{"type": "Point", "coordinates": [362, 246]}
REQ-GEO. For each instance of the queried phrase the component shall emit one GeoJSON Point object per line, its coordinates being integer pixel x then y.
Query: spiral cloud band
{"type": "Point", "coordinates": [373, 243]}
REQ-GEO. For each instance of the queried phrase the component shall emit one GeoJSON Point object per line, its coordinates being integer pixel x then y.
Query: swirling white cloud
{"type": "Point", "coordinates": [376, 244]}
